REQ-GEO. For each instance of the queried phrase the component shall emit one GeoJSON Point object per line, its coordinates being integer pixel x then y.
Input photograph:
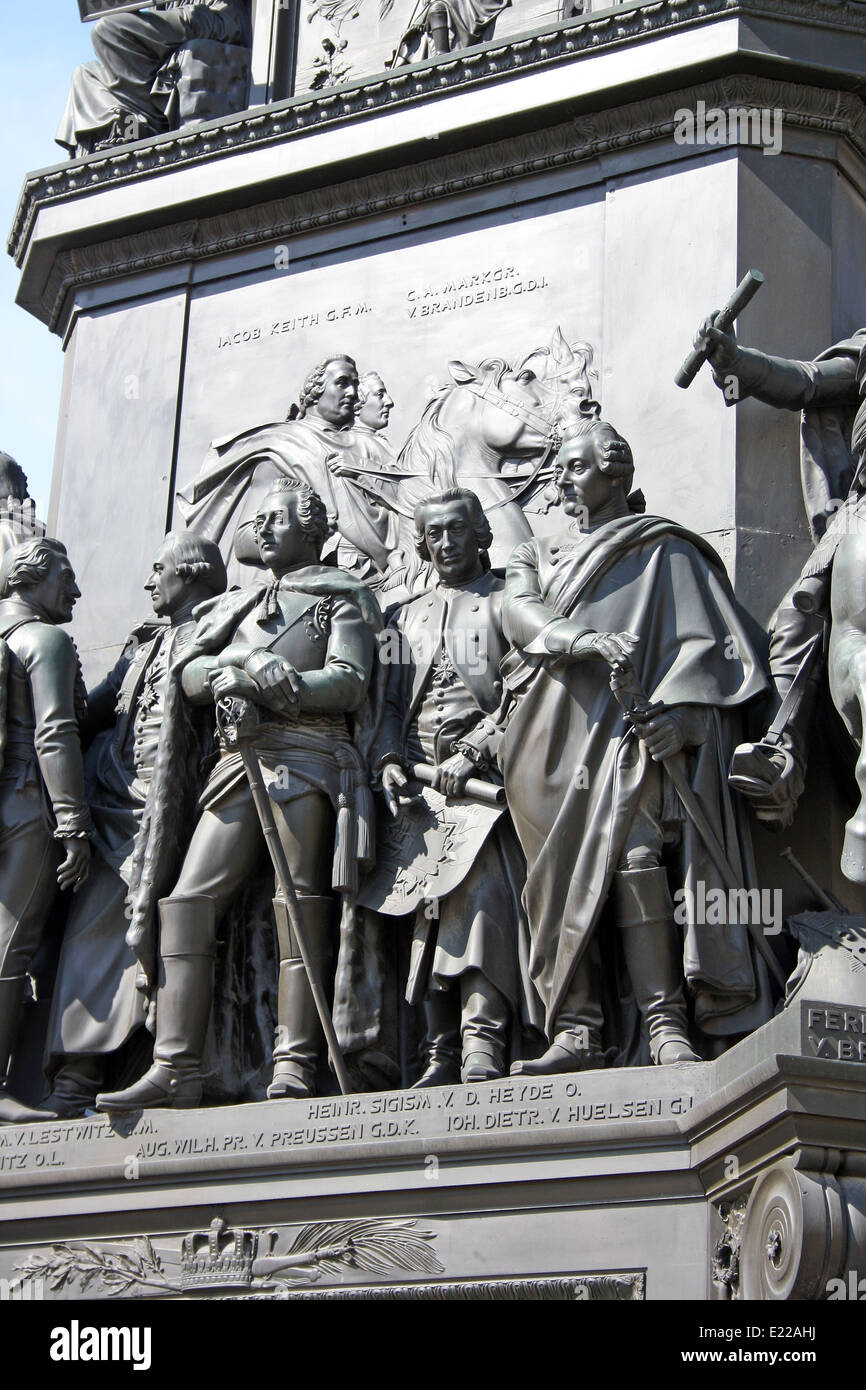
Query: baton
{"type": "Point", "coordinates": [237, 720]}
{"type": "Point", "coordinates": [742, 296]}
{"type": "Point", "coordinates": [639, 705]}
{"type": "Point", "coordinates": [475, 790]}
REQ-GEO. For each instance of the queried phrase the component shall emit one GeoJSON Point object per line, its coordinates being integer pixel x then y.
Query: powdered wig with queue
{"type": "Point", "coordinates": [312, 513]}
{"type": "Point", "coordinates": [481, 525]}
{"type": "Point", "coordinates": [612, 453]}
{"type": "Point", "coordinates": [28, 563]}
{"type": "Point", "coordinates": [197, 560]}
{"type": "Point", "coordinates": [314, 386]}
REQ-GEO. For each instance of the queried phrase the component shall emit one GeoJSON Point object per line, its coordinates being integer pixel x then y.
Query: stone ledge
{"type": "Point", "coordinates": [46, 290]}
{"type": "Point", "coordinates": [368, 97]}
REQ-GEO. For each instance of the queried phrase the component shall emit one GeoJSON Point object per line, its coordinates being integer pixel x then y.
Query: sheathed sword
{"type": "Point", "coordinates": [633, 700]}
{"type": "Point", "coordinates": [238, 720]}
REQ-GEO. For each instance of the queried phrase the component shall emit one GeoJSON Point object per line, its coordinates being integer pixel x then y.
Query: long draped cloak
{"type": "Point", "coordinates": [346, 468]}
{"type": "Point", "coordinates": [573, 770]}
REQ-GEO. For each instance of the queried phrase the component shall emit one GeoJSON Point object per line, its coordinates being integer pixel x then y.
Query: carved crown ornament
{"type": "Point", "coordinates": [587, 137]}
{"type": "Point", "coordinates": [310, 1263]}
{"type": "Point", "coordinates": [405, 86]}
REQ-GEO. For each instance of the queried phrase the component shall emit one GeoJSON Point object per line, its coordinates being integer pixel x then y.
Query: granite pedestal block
{"type": "Point", "coordinates": [741, 1178]}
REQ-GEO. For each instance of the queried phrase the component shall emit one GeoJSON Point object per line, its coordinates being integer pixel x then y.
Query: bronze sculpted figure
{"type": "Point", "coordinates": [118, 97]}
{"type": "Point", "coordinates": [18, 520]}
{"type": "Point", "coordinates": [374, 403]}
{"type": "Point", "coordinates": [97, 1007]}
{"type": "Point", "coordinates": [43, 809]}
{"type": "Point", "coordinates": [830, 394]}
{"type": "Point", "coordinates": [300, 649]}
{"type": "Point", "coordinates": [319, 446]}
{"type": "Point", "coordinates": [440, 26]}
{"type": "Point", "coordinates": [591, 803]}
{"type": "Point", "coordinates": [442, 692]}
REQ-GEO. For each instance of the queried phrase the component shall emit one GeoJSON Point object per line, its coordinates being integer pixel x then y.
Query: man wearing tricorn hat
{"type": "Point", "coordinates": [592, 803]}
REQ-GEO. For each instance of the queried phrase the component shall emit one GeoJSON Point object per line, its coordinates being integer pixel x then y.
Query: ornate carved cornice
{"type": "Point", "coordinates": [404, 87]}
{"type": "Point", "coordinates": [573, 142]}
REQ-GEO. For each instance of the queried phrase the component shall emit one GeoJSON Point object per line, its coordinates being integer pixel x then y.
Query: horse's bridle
{"type": "Point", "coordinates": [494, 396]}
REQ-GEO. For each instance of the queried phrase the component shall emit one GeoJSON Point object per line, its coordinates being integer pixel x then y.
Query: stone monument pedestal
{"type": "Point", "coordinates": [744, 1178]}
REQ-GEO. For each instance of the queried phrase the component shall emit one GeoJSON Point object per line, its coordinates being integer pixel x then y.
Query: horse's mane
{"type": "Point", "coordinates": [431, 448]}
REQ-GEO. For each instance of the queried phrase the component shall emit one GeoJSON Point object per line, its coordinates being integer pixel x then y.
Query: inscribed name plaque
{"type": "Point", "coordinates": [332, 1128]}
{"type": "Point", "coordinates": [834, 1032]}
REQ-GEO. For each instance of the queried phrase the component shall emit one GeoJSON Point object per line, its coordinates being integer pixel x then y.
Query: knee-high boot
{"type": "Point", "coordinates": [12, 1112]}
{"type": "Point", "coordinates": [187, 944]}
{"type": "Point", "coordinates": [75, 1085]}
{"type": "Point", "coordinates": [441, 1040]}
{"type": "Point", "coordinates": [483, 1028]}
{"type": "Point", "coordinates": [577, 1044]}
{"type": "Point", "coordinates": [438, 22]}
{"type": "Point", "coordinates": [645, 916]}
{"type": "Point", "coordinates": [299, 1029]}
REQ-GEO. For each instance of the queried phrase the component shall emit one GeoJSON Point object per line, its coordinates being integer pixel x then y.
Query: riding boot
{"type": "Point", "coordinates": [442, 1040]}
{"type": "Point", "coordinates": [12, 1112]}
{"type": "Point", "coordinates": [645, 916]}
{"type": "Point", "coordinates": [75, 1086]}
{"type": "Point", "coordinates": [299, 1029]}
{"type": "Point", "coordinates": [187, 945]}
{"type": "Point", "coordinates": [440, 40]}
{"type": "Point", "coordinates": [576, 1043]}
{"type": "Point", "coordinates": [483, 1028]}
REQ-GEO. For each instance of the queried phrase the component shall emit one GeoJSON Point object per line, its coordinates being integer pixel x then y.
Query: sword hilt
{"type": "Point", "coordinates": [237, 719]}
{"type": "Point", "coordinates": [632, 697]}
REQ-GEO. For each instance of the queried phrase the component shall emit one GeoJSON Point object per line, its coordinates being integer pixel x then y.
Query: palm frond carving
{"type": "Point", "coordinates": [370, 1246]}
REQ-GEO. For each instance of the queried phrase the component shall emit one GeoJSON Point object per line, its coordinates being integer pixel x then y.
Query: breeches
{"type": "Point", "coordinates": [228, 846]}
{"type": "Point", "coordinates": [133, 47]}
{"type": "Point", "coordinates": [645, 838]}
{"type": "Point", "coordinates": [29, 856]}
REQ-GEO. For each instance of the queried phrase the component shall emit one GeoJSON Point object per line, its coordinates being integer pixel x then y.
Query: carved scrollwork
{"type": "Point", "coordinates": [727, 1250]}
{"type": "Point", "coordinates": [794, 1236]}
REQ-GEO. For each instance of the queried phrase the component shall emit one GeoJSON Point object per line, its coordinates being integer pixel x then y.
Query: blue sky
{"type": "Point", "coordinates": [43, 41]}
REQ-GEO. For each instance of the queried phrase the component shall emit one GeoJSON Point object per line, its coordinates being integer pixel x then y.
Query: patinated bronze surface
{"type": "Point", "coordinates": [442, 692]}
{"type": "Point", "coordinates": [821, 617]}
{"type": "Point", "coordinates": [428, 938]}
{"type": "Point", "coordinates": [301, 650]}
{"type": "Point", "coordinates": [621, 592]}
{"type": "Point", "coordinates": [97, 1004]}
{"type": "Point", "coordinates": [119, 96]}
{"type": "Point", "coordinates": [45, 815]}
{"type": "Point", "coordinates": [545, 858]}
